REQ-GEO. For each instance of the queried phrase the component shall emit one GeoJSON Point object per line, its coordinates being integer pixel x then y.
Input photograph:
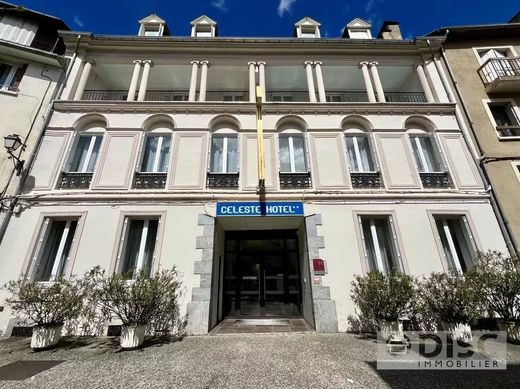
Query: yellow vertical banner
{"type": "Point", "coordinates": [260, 140]}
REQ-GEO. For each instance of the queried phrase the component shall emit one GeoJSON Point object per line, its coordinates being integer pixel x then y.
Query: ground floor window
{"type": "Point", "coordinates": [380, 243]}
{"type": "Point", "coordinates": [54, 247]}
{"type": "Point", "coordinates": [137, 248]}
{"type": "Point", "coordinates": [457, 241]}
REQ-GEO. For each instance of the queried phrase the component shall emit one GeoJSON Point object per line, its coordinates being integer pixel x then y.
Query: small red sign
{"type": "Point", "coordinates": [318, 265]}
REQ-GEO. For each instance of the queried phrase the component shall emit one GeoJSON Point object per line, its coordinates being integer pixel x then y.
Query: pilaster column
{"type": "Point", "coordinates": [377, 82]}
{"type": "Point", "coordinates": [368, 82]}
{"type": "Point", "coordinates": [310, 81]}
{"type": "Point", "coordinates": [252, 81]}
{"type": "Point", "coordinates": [203, 80]}
{"type": "Point", "coordinates": [424, 83]}
{"type": "Point", "coordinates": [319, 81]}
{"type": "Point", "coordinates": [144, 80]}
{"type": "Point", "coordinates": [193, 81]}
{"type": "Point", "coordinates": [133, 82]}
{"type": "Point", "coordinates": [83, 79]}
{"type": "Point", "coordinates": [261, 79]}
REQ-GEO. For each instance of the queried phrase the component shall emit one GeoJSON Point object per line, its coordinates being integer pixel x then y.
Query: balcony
{"type": "Point", "coordinates": [121, 95]}
{"type": "Point", "coordinates": [275, 96]}
{"type": "Point", "coordinates": [295, 180]}
{"type": "Point", "coordinates": [370, 180]}
{"type": "Point", "coordinates": [227, 95]}
{"type": "Point", "coordinates": [150, 180]}
{"type": "Point", "coordinates": [222, 181]}
{"type": "Point", "coordinates": [501, 75]}
{"type": "Point", "coordinates": [508, 131]}
{"type": "Point", "coordinates": [405, 97]}
{"type": "Point", "coordinates": [435, 180]}
{"type": "Point", "coordinates": [72, 180]}
{"type": "Point", "coordinates": [346, 97]}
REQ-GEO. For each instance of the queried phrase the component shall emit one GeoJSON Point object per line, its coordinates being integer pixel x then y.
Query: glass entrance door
{"type": "Point", "coordinates": [262, 274]}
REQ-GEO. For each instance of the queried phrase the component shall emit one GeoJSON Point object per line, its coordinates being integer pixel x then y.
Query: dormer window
{"type": "Point", "coordinates": [153, 25]}
{"type": "Point", "coordinates": [203, 27]}
{"type": "Point", "coordinates": [307, 28]}
{"type": "Point", "coordinates": [358, 29]}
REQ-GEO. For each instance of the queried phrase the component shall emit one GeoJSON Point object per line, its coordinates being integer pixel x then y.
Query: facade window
{"type": "Point", "coordinates": [86, 154]}
{"type": "Point", "coordinates": [11, 76]}
{"type": "Point", "coordinates": [457, 242]}
{"type": "Point", "coordinates": [224, 154]}
{"type": "Point", "coordinates": [156, 154]}
{"type": "Point", "coordinates": [55, 242]}
{"type": "Point", "coordinates": [360, 157]}
{"type": "Point", "coordinates": [152, 30]}
{"type": "Point", "coordinates": [137, 249]}
{"type": "Point", "coordinates": [308, 32]}
{"type": "Point", "coordinates": [426, 156]}
{"type": "Point", "coordinates": [292, 154]}
{"type": "Point", "coordinates": [203, 31]}
{"type": "Point", "coordinates": [506, 121]}
{"type": "Point", "coordinates": [380, 243]}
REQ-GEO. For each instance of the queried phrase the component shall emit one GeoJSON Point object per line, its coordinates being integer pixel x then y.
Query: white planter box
{"type": "Point", "coordinates": [44, 336]}
{"type": "Point", "coordinates": [391, 330]}
{"type": "Point", "coordinates": [512, 328]}
{"type": "Point", "coordinates": [132, 336]}
{"type": "Point", "coordinates": [459, 331]}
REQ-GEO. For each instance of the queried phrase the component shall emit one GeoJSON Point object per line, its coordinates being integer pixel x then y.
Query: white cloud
{"type": "Point", "coordinates": [78, 21]}
{"type": "Point", "coordinates": [220, 4]}
{"type": "Point", "coordinates": [285, 6]}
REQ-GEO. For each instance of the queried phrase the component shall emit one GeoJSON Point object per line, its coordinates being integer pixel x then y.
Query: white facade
{"type": "Point", "coordinates": [362, 133]}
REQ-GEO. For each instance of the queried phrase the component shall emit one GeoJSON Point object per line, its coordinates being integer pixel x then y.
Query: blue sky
{"type": "Point", "coordinates": [273, 17]}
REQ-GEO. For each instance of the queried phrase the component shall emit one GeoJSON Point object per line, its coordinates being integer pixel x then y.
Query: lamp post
{"type": "Point", "coordinates": [12, 143]}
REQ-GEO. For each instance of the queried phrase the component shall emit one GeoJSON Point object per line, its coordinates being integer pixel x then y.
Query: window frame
{"type": "Point", "coordinates": [516, 167]}
{"type": "Point", "coordinates": [225, 135]}
{"type": "Point", "coordinates": [7, 87]}
{"type": "Point", "coordinates": [436, 149]}
{"type": "Point", "coordinates": [122, 231]}
{"type": "Point", "coordinates": [474, 243]}
{"type": "Point", "coordinates": [38, 241]}
{"type": "Point", "coordinates": [515, 111]}
{"type": "Point", "coordinates": [398, 247]}
{"type": "Point", "coordinates": [371, 146]}
{"type": "Point", "coordinates": [140, 160]}
{"type": "Point", "coordinates": [292, 161]}
{"type": "Point", "coordinates": [94, 133]}
{"type": "Point", "coordinates": [511, 52]}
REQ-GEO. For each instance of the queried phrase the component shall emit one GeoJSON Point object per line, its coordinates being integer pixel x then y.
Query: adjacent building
{"type": "Point", "coordinates": [269, 171]}
{"type": "Point", "coordinates": [485, 66]}
{"type": "Point", "coordinates": [31, 70]}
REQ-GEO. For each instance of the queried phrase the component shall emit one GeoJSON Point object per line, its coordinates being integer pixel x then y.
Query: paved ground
{"type": "Point", "coordinates": [275, 360]}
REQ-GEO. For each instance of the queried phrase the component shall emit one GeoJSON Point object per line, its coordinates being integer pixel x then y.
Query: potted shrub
{"type": "Point", "coordinates": [383, 299]}
{"type": "Point", "coordinates": [448, 301]}
{"type": "Point", "coordinates": [45, 305]}
{"type": "Point", "coordinates": [146, 301]}
{"type": "Point", "coordinates": [496, 278]}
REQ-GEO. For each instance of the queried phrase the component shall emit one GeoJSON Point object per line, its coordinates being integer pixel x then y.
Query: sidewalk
{"type": "Point", "coordinates": [276, 360]}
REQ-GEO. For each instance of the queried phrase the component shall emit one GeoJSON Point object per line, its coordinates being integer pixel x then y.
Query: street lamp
{"type": "Point", "coordinates": [12, 143]}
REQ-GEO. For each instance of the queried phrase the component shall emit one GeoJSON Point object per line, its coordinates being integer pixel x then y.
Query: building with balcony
{"type": "Point", "coordinates": [485, 65]}
{"type": "Point", "coordinates": [269, 171]}
{"type": "Point", "coordinates": [31, 70]}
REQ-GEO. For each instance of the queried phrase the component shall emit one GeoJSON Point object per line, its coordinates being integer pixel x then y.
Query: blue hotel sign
{"type": "Point", "coordinates": [260, 209]}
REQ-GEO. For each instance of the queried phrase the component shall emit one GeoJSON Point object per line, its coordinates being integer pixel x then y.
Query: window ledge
{"type": "Point", "coordinates": [9, 92]}
{"type": "Point", "coordinates": [508, 138]}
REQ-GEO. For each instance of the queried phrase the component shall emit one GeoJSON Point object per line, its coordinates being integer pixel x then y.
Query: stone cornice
{"type": "Point", "coordinates": [250, 108]}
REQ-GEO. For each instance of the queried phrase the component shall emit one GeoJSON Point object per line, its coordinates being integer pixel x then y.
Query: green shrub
{"type": "Point", "coordinates": [45, 304]}
{"type": "Point", "coordinates": [383, 297]}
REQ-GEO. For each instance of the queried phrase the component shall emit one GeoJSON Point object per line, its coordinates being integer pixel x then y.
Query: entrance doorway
{"type": "Point", "coordinates": [262, 274]}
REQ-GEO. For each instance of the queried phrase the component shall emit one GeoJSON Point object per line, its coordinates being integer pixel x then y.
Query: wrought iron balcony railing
{"type": "Point", "coordinates": [347, 97]}
{"type": "Point", "coordinates": [150, 180]}
{"type": "Point", "coordinates": [111, 95]}
{"type": "Point", "coordinates": [366, 180]}
{"type": "Point", "coordinates": [405, 97]}
{"type": "Point", "coordinates": [222, 180]}
{"type": "Point", "coordinates": [287, 96]}
{"type": "Point", "coordinates": [499, 68]}
{"type": "Point", "coordinates": [435, 180]}
{"type": "Point", "coordinates": [166, 95]}
{"type": "Point", "coordinates": [295, 180]}
{"type": "Point", "coordinates": [227, 95]}
{"type": "Point", "coordinates": [73, 180]}
{"type": "Point", "coordinates": [508, 131]}
{"type": "Point", "coordinates": [122, 95]}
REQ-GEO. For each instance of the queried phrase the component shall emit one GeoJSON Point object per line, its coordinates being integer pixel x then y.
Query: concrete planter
{"type": "Point", "coordinates": [512, 328]}
{"type": "Point", "coordinates": [459, 331]}
{"type": "Point", "coordinates": [44, 337]}
{"type": "Point", "coordinates": [132, 336]}
{"type": "Point", "coordinates": [391, 330]}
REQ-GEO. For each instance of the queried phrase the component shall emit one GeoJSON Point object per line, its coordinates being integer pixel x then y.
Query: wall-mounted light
{"type": "Point", "coordinates": [12, 143]}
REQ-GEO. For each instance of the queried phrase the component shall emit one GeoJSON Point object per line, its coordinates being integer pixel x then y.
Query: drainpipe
{"type": "Point", "coordinates": [503, 223]}
{"type": "Point", "coordinates": [57, 92]}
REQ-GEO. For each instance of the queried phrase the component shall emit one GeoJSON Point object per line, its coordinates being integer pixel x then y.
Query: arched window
{"type": "Point", "coordinates": [87, 147]}
{"type": "Point", "coordinates": [224, 161]}
{"type": "Point", "coordinates": [157, 148]}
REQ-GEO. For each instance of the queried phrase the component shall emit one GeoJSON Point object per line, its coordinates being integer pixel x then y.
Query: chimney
{"type": "Point", "coordinates": [390, 30]}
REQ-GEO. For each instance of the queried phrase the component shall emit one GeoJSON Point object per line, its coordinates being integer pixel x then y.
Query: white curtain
{"type": "Point", "coordinates": [81, 154]}
{"type": "Point", "coordinates": [217, 154]}
{"type": "Point", "coordinates": [360, 160]}
{"type": "Point", "coordinates": [232, 155]}
{"type": "Point", "coordinates": [425, 155]}
{"type": "Point", "coordinates": [292, 160]}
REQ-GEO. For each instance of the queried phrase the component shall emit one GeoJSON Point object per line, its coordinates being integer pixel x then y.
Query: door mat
{"type": "Point", "coordinates": [263, 322]}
